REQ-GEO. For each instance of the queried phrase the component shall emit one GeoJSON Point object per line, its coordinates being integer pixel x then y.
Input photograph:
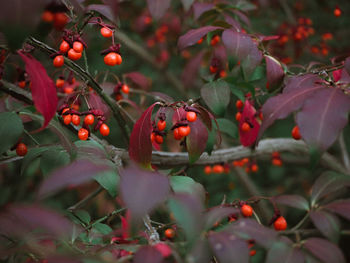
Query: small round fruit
{"type": "Point", "coordinates": [21, 149]}
{"type": "Point", "coordinates": [215, 40]}
{"type": "Point", "coordinates": [78, 46]}
{"type": "Point", "coordinates": [245, 127]}
{"type": "Point", "coordinates": [191, 116]}
{"type": "Point", "coordinates": [223, 74]}
{"type": "Point", "coordinates": [169, 233]}
{"type": "Point", "coordinates": [59, 83]}
{"type": "Point", "coordinates": [161, 125]}
{"type": "Point", "coordinates": [112, 59]}
{"type": "Point", "coordinates": [254, 168]}
{"type": "Point", "coordinates": [67, 119]}
{"type": "Point", "coordinates": [239, 104]}
{"type": "Point", "coordinates": [277, 162]}
{"type": "Point", "coordinates": [252, 252]}
{"type": "Point", "coordinates": [89, 119]}
{"type": "Point", "coordinates": [47, 16]}
{"type": "Point", "coordinates": [125, 89]}
{"type": "Point", "coordinates": [153, 137]}
{"type": "Point", "coordinates": [22, 84]}
{"type": "Point", "coordinates": [296, 133]}
{"type": "Point", "coordinates": [106, 32]}
{"type": "Point", "coordinates": [73, 55]}
{"type": "Point", "coordinates": [207, 169]}
{"type": "Point", "coordinates": [337, 12]}
{"type": "Point", "coordinates": [184, 130]}
{"type": "Point", "coordinates": [213, 69]}
{"type": "Point", "coordinates": [58, 61]}
{"type": "Point", "coordinates": [60, 20]}
{"type": "Point", "coordinates": [159, 139]}
{"type": "Point", "coordinates": [104, 129]}
{"type": "Point", "coordinates": [280, 224]}
{"type": "Point", "coordinates": [247, 210]}
{"type": "Point", "coordinates": [64, 47]}
{"type": "Point", "coordinates": [238, 116]}
{"type": "Point", "coordinates": [200, 41]}
{"type": "Point", "coordinates": [177, 135]}
{"type": "Point", "coordinates": [218, 169]}
{"type": "Point", "coordinates": [83, 134]}
{"type": "Point", "coordinates": [75, 119]}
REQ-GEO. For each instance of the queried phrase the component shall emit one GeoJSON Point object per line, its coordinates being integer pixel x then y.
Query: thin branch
{"type": "Point", "coordinates": [16, 92]}
{"type": "Point", "coordinates": [344, 152]}
{"type": "Point", "coordinates": [153, 234]}
{"type": "Point", "coordinates": [82, 202]}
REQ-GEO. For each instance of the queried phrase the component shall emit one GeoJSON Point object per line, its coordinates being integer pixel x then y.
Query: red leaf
{"type": "Point", "coordinates": [328, 224]}
{"type": "Point", "coordinates": [192, 36]}
{"type": "Point", "coordinates": [247, 138]}
{"type": "Point", "coordinates": [324, 250]}
{"type": "Point", "coordinates": [323, 117]}
{"type": "Point", "coordinates": [140, 146]}
{"type": "Point", "coordinates": [139, 79]}
{"type": "Point", "coordinates": [191, 69]}
{"type": "Point", "coordinates": [196, 141]}
{"type": "Point", "coordinates": [43, 88]}
{"type": "Point", "coordinates": [157, 8]}
{"type": "Point", "coordinates": [297, 90]}
{"type": "Point", "coordinates": [274, 71]}
{"type": "Point", "coordinates": [341, 207]}
{"type": "Point", "coordinates": [296, 201]}
{"type": "Point", "coordinates": [96, 102]}
{"type": "Point", "coordinates": [148, 254]}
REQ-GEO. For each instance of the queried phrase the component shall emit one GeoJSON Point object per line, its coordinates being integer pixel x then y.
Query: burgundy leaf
{"type": "Point", "coordinates": [247, 138]}
{"type": "Point", "coordinates": [250, 229]}
{"type": "Point", "coordinates": [191, 69]}
{"type": "Point", "coordinates": [192, 36]}
{"type": "Point", "coordinates": [217, 96]}
{"type": "Point", "coordinates": [96, 102]}
{"type": "Point", "coordinates": [228, 248]}
{"type": "Point", "coordinates": [331, 106]}
{"type": "Point", "coordinates": [43, 88]}
{"type": "Point", "coordinates": [274, 71]}
{"type": "Point", "coordinates": [139, 79]}
{"type": "Point", "coordinates": [281, 250]}
{"type": "Point", "coordinates": [20, 219]}
{"type": "Point", "coordinates": [104, 10]}
{"type": "Point", "coordinates": [220, 53]}
{"type": "Point", "coordinates": [196, 141]}
{"type": "Point", "coordinates": [205, 116]}
{"type": "Point", "coordinates": [341, 207]}
{"type": "Point", "coordinates": [75, 173]}
{"type": "Point", "coordinates": [327, 223]}
{"type": "Point", "coordinates": [200, 8]}
{"type": "Point", "coordinates": [297, 90]}
{"type": "Point", "coordinates": [148, 254]}
{"type": "Point", "coordinates": [296, 201]}
{"type": "Point", "coordinates": [324, 250]}
{"type": "Point", "coordinates": [179, 115]}
{"type": "Point", "coordinates": [140, 146]}
{"type": "Point", "coordinates": [142, 190]}
{"type": "Point", "coordinates": [157, 8]}
{"type": "Point", "coordinates": [216, 214]}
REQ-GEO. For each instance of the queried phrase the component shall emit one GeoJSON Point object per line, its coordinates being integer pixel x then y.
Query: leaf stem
{"type": "Point", "coordinates": [344, 151]}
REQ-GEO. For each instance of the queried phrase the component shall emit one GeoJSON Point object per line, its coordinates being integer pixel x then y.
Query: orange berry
{"type": "Point", "coordinates": [60, 20]}
{"type": "Point", "coordinates": [252, 252]}
{"type": "Point", "coordinates": [239, 104]}
{"type": "Point", "coordinates": [184, 130]}
{"type": "Point", "coordinates": [296, 133]}
{"type": "Point", "coordinates": [22, 84]}
{"type": "Point", "coordinates": [245, 127]}
{"type": "Point", "coordinates": [75, 119]}
{"type": "Point", "coordinates": [64, 47]}
{"type": "Point", "coordinates": [58, 61]}
{"type": "Point", "coordinates": [277, 162]}
{"type": "Point", "coordinates": [67, 119]}
{"type": "Point", "coordinates": [238, 116]}
{"type": "Point", "coordinates": [254, 168]}
{"type": "Point", "coordinates": [125, 89]}
{"type": "Point", "coordinates": [112, 59]}
{"type": "Point", "coordinates": [223, 74]}
{"type": "Point", "coordinates": [21, 149]}
{"type": "Point", "coordinates": [177, 135]}
{"type": "Point", "coordinates": [73, 55]}
{"type": "Point", "coordinates": [213, 69]}
{"type": "Point", "coordinates": [59, 83]}
{"type": "Point", "coordinates": [83, 134]}
{"type": "Point", "coordinates": [200, 41]}
{"type": "Point", "coordinates": [207, 169]}
{"type": "Point", "coordinates": [218, 169]}
{"type": "Point", "coordinates": [169, 233]}
{"type": "Point", "coordinates": [161, 125]}
{"type": "Point", "coordinates": [245, 161]}
{"type": "Point", "coordinates": [47, 16]}
{"type": "Point", "coordinates": [89, 119]}
{"type": "Point", "coordinates": [247, 210]}
{"type": "Point", "coordinates": [191, 116]}
{"type": "Point", "coordinates": [153, 137]}
{"type": "Point", "coordinates": [337, 12]}
{"type": "Point", "coordinates": [215, 40]}
{"type": "Point", "coordinates": [78, 46]}
{"type": "Point", "coordinates": [280, 224]}
{"type": "Point", "coordinates": [104, 129]}
{"type": "Point", "coordinates": [68, 90]}
{"type": "Point", "coordinates": [276, 155]}
{"type": "Point", "coordinates": [159, 139]}
{"type": "Point", "coordinates": [106, 32]}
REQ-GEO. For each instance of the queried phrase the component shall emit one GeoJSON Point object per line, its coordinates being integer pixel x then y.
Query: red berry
{"type": "Point", "coordinates": [78, 46]}
{"type": "Point", "coordinates": [296, 133]}
{"type": "Point", "coordinates": [161, 125]}
{"type": "Point", "coordinates": [245, 127]}
{"type": "Point", "coordinates": [75, 119]}
{"type": "Point", "coordinates": [252, 252]}
{"type": "Point", "coordinates": [276, 155]}
{"type": "Point", "coordinates": [83, 134]}
{"type": "Point", "coordinates": [277, 162]}
{"type": "Point", "coordinates": [247, 210]}
{"type": "Point", "coordinates": [280, 224]}
{"type": "Point", "coordinates": [21, 149]}
{"type": "Point", "coordinates": [238, 116]}
{"type": "Point", "coordinates": [239, 104]}
{"type": "Point", "coordinates": [254, 168]}
{"type": "Point", "coordinates": [60, 20]}
{"type": "Point", "coordinates": [73, 55]}
{"type": "Point", "coordinates": [59, 83]}
{"type": "Point", "coordinates": [169, 233]}
{"type": "Point", "coordinates": [153, 137]}
{"type": "Point", "coordinates": [104, 129]}
{"type": "Point", "coordinates": [22, 84]}
{"type": "Point", "coordinates": [159, 139]}
{"type": "Point", "coordinates": [213, 69]}
{"type": "Point", "coordinates": [58, 61]}
{"type": "Point", "coordinates": [207, 169]}
{"type": "Point", "coordinates": [191, 116]}
{"type": "Point", "coordinates": [67, 119]}
{"type": "Point", "coordinates": [337, 12]}
{"type": "Point", "coordinates": [215, 40]}
{"type": "Point", "coordinates": [200, 41]}
{"type": "Point", "coordinates": [47, 16]}
{"type": "Point", "coordinates": [112, 59]}
{"type": "Point", "coordinates": [106, 32]}
{"type": "Point", "coordinates": [177, 135]}
{"type": "Point", "coordinates": [68, 90]}
{"type": "Point", "coordinates": [223, 74]}
{"type": "Point", "coordinates": [125, 89]}
{"type": "Point", "coordinates": [89, 119]}
{"type": "Point", "coordinates": [218, 169]}
{"type": "Point", "coordinates": [184, 130]}
{"type": "Point", "coordinates": [64, 47]}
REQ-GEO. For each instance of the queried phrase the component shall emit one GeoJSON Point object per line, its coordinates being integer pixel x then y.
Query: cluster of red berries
{"type": "Point", "coordinates": [66, 86]}
{"type": "Point", "coordinates": [246, 126]}
{"type": "Point", "coordinates": [73, 116]}
{"type": "Point", "coordinates": [322, 48]}
{"type": "Point", "coordinates": [217, 169]}
{"type": "Point", "coordinates": [296, 133]}
{"type": "Point", "coordinates": [250, 165]}
{"type": "Point", "coordinates": [55, 15]}
{"type": "Point", "coordinates": [217, 68]}
{"type": "Point", "coordinates": [276, 159]}
{"type": "Point", "coordinates": [251, 244]}
{"type": "Point", "coordinates": [213, 42]}
{"type": "Point", "coordinates": [119, 89]}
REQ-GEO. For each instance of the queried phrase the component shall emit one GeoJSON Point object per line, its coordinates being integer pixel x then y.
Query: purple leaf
{"type": "Point", "coordinates": [327, 223]}
{"type": "Point", "coordinates": [43, 88]}
{"type": "Point", "coordinates": [187, 4]}
{"type": "Point", "coordinates": [281, 250]}
{"type": "Point", "coordinates": [200, 8]}
{"type": "Point", "coordinates": [331, 106]}
{"type": "Point", "coordinates": [142, 190]}
{"type": "Point", "coordinates": [205, 116]}
{"type": "Point", "coordinates": [104, 10]}
{"type": "Point", "coordinates": [216, 214]}
{"type": "Point", "coordinates": [247, 138]}
{"type": "Point", "coordinates": [77, 172]}
{"type": "Point", "coordinates": [20, 219]}
{"type": "Point", "coordinates": [250, 229]}
{"type": "Point", "coordinates": [192, 36]}
{"type": "Point", "coordinates": [324, 250]}
{"type": "Point", "coordinates": [327, 183]}
{"type": "Point", "coordinates": [139, 79]}
{"type": "Point", "coordinates": [190, 71]}
{"type": "Point", "coordinates": [297, 90]}
{"type": "Point", "coordinates": [295, 201]}
{"type": "Point", "coordinates": [196, 141]}
{"type": "Point", "coordinates": [200, 253]}
{"type": "Point", "coordinates": [157, 8]}
{"type": "Point", "coordinates": [228, 248]}
{"type": "Point", "coordinates": [96, 102]}
{"type": "Point", "coordinates": [217, 96]}
{"type": "Point", "coordinates": [341, 207]}
{"type": "Point", "coordinates": [274, 71]}
{"type": "Point", "coordinates": [148, 254]}
{"type": "Point", "coordinates": [140, 146]}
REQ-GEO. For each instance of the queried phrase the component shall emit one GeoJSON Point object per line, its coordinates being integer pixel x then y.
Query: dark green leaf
{"type": "Point", "coordinates": [228, 127]}
{"type": "Point", "coordinates": [217, 96]}
{"type": "Point", "coordinates": [11, 128]}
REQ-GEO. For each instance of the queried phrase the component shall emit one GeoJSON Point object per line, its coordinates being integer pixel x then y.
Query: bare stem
{"type": "Point", "coordinates": [344, 152]}
{"type": "Point", "coordinates": [82, 202]}
{"type": "Point", "coordinates": [153, 234]}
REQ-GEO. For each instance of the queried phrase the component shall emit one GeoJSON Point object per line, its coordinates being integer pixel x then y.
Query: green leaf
{"type": "Point", "coordinates": [228, 127]}
{"type": "Point", "coordinates": [83, 216]}
{"type": "Point", "coordinates": [211, 141]}
{"type": "Point", "coordinates": [32, 155]}
{"type": "Point", "coordinates": [109, 180]}
{"type": "Point", "coordinates": [217, 96]}
{"type": "Point", "coordinates": [103, 228]}
{"type": "Point", "coordinates": [184, 184]}
{"type": "Point", "coordinates": [53, 159]}
{"type": "Point", "coordinates": [11, 129]}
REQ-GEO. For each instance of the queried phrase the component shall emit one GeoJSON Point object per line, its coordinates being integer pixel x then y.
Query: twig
{"type": "Point", "coordinates": [82, 202]}
{"type": "Point", "coordinates": [153, 234]}
{"type": "Point", "coordinates": [344, 152]}
{"type": "Point", "coordinates": [116, 212]}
